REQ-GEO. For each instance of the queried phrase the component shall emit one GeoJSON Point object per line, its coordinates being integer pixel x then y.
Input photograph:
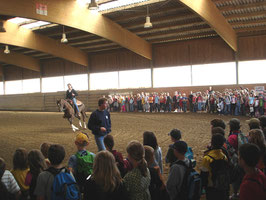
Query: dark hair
{"type": "Point", "coordinates": [20, 159]}
{"type": "Point", "coordinates": [217, 141]}
{"type": "Point", "coordinates": [2, 167]}
{"type": "Point", "coordinates": [150, 139]}
{"type": "Point", "coordinates": [136, 151]}
{"type": "Point", "coordinates": [234, 124]}
{"type": "Point", "coordinates": [101, 101]}
{"type": "Point", "coordinates": [180, 147]}
{"type": "Point", "coordinates": [44, 149]}
{"type": "Point", "coordinates": [36, 161]}
{"type": "Point", "coordinates": [218, 130]}
{"type": "Point", "coordinates": [254, 126]}
{"type": "Point", "coordinates": [3, 190]}
{"type": "Point", "coordinates": [56, 154]}
{"type": "Point", "coordinates": [250, 153]}
{"type": "Point", "coordinates": [218, 123]}
{"type": "Point", "coordinates": [109, 141]}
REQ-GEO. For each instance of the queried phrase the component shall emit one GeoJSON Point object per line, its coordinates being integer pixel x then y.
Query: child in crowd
{"type": "Point", "coordinates": [8, 184]}
{"type": "Point", "coordinates": [81, 163]}
{"type": "Point", "coordinates": [20, 170]}
{"type": "Point", "coordinates": [254, 182]}
{"type": "Point", "coordinates": [37, 165]}
{"type": "Point", "coordinates": [157, 187]}
{"type": "Point", "coordinates": [215, 163]}
{"type": "Point", "coordinates": [44, 149]}
{"type": "Point", "coordinates": [253, 123]}
{"type": "Point", "coordinates": [177, 171]}
{"type": "Point", "coordinates": [45, 180]}
{"type": "Point", "coordinates": [139, 174]}
{"type": "Point", "coordinates": [175, 135]}
{"type": "Point", "coordinates": [105, 183]}
{"type": "Point", "coordinates": [150, 139]}
{"type": "Point", "coordinates": [121, 163]}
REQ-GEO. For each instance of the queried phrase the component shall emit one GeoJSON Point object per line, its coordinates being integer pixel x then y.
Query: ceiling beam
{"type": "Point", "coordinates": [208, 11]}
{"type": "Point", "coordinates": [22, 37]}
{"type": "Point", "coordinates": [20, 60]}
{"type": "Point", "coordinates": [242, 6]}
{"type": "Point", "coordinates": [71, 13]}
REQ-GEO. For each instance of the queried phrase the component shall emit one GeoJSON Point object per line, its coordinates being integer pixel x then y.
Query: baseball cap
{"type": "Point", "coordinates": [175, 133]}
{"type": "Point", "coordinates": [82, 138]}
{"type": "Point", "coordinates": [234, 121]}
{"type": "Point", "coordinates": [180, 146]}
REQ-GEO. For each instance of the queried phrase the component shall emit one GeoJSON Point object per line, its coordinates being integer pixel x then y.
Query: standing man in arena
{"type": "Point", "coordinates": [71, 94]}
{"type": "Point", "coordinates": [100, 123]}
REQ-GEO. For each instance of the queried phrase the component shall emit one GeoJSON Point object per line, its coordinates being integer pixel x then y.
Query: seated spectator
{"type": "Point", "coordinates": [45, 180]}
{"type": "Point", "coordinates": [256, 136]}
{"type": "Point", "coordinates": [20, 170]}
{"type": "Point", "coordinates": [109, 144]}
{"type": "Point", "coordinates": [254, 182]}
{"type": "Point", "coordinates": [214, 165]}
{"type": "Point", "coordinates": [253, 123]}
{"type": "Point", "coordinates": [177, 171]}
{"type": "Point", "coordinates": [8, 184]}
{"type": "Point", "coordinates": [105, 183]}
{"type": "Point", "coordinates": [150, 139]}
{"type": "Point", "coordinates": [44, 149]}
{"type": "Point", "coordinates": [157, 186]}
{"type": "Point", "coordinates": [81, 163]}
{"type": "Point", "coordinates": [139, 173]}
{"type": "Point", "coordinates": [37, 165]}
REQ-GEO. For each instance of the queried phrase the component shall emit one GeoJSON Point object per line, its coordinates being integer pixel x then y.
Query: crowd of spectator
{"type": "Point", "coordinates": [228, 102]}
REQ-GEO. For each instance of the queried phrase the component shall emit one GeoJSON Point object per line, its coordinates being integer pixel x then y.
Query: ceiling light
{"type": "Point", "coordinates": [93, 5]}
{"type": "Point", "coordinates": [148, 23]}
{"type": "Point", "coordinates": [6, 51]}
{"type": "Point", "coordinates": [64, 39]}
{"type": "Point", "coordinates": [2, 29]}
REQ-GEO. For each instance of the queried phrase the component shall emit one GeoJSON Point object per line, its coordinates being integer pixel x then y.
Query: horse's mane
{"type": "Point", "coordinates": [66, 104]}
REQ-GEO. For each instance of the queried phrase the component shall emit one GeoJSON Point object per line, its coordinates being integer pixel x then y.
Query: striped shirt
{"type": "Point", "coordinates": [9, 181]}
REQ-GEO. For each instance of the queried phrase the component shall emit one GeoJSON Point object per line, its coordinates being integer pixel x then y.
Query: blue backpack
{"type": "Point", "coordinates": [191, 184]}
{"type": "Point", "coordinates": [189, 154]}
{"type": "Point", "coordinates": [64, 185]}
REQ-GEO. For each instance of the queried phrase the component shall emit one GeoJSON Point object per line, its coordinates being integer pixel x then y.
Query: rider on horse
{"type": "Point", "coordinates": [71, 94]}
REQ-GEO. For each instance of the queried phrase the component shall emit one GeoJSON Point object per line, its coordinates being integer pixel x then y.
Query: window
{"type": "Point", "coordinates": [135, 78]}
{"type": "Point", "coordinates": [101, 81]}
{"type": "Point", "coordinates": [78, 82]}
{"type": "Point", "coordinates": [52, 84]}
{"type": "Point", "coordinates": [13, 87]}
{"type": "Point", "coordinates": [214, 74]}
{"type": "Point", "coordinates": [1, 88]}
{"type": "Point", "coordinates": [172, 76]}
{"type": "Point", "coordinates": [252, 72]}
{"type": "Point", "coordinates": [31, 85]}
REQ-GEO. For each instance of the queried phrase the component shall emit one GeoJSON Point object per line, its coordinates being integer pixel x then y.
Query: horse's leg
{"type": "Point", "coordinates": [74, 128]}
{"type": "Point", "coordinates": [83, 118]}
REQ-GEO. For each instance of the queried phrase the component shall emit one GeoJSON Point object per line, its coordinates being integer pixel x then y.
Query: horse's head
{"type": "Point", "coordinates": [60, 103]}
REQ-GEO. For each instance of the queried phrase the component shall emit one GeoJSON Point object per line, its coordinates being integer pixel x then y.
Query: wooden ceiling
{"type": "Point", "coordinates": [171, 20]}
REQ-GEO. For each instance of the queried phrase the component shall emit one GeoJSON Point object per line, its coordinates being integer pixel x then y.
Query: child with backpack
{"type": "Point", "coordinates": [37, 165]}
{"type": "Point", "coordinates": [81, 163]}
{"type": "Point", "coordinates": [253, 185]}
{"type": "Point", "coordinates": [20, 170]}
{"type": "Point", "coordinates": [57, 182]}
{"type": "Point", "coordinates": [183, 181]}
{"type": "Point", "coordinates": [121, 163]}
{"type": "Point", "coordinates": [9, 188]}
{"type": "Point", "coordinates": [215, 172]}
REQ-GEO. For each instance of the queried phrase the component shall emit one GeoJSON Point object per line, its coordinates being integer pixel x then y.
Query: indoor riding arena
{"type": "Point", "coordinates": [161, 65]}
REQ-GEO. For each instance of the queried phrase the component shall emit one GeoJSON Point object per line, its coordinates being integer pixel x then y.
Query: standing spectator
{"type": "Point", "coordinates": [150, 139]}
{"type": "Point", "coordinates": [190, 98]}
{"type": "Point", "coordinates": [254, 182]}
{"type": "Point", "coordinates": [100, 123]}
{"type": "Point", "coordinates": [139, 173]}
{"type": "Point", "coordinates": [263, 124]}
{"type": "Point", "coordinates": [253, 123]}
{"type": "Point", "coordinates": [175, 135]}
{"type": "Point", "coordinates": [105, 183]}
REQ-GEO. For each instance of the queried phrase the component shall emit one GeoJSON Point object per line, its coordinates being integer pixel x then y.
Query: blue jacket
{"type": "Point", "coordinates": [100, 119]}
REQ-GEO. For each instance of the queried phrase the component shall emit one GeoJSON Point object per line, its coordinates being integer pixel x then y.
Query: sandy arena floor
{"type": "Point", "coordinates": [31, 129]}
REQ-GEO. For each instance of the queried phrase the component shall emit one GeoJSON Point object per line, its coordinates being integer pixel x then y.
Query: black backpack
{"type": "Point", "coordinates": [220, 170]}
{"type": "Point", "coordinates": [191, 184]}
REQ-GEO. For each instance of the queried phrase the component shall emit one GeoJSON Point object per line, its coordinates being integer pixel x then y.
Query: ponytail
{"type": "Point", "coordinates": [143, 167]}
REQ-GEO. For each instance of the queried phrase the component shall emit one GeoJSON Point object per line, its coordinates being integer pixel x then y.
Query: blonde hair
{"type": "Point", "coordinates": [105, 171]}
{"type": "Point", "coordinates": [149, 154]}
{"type": "Point", "coordinates": [256, 136]}
{"type": "Point", "coordinates": [136, 151]}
